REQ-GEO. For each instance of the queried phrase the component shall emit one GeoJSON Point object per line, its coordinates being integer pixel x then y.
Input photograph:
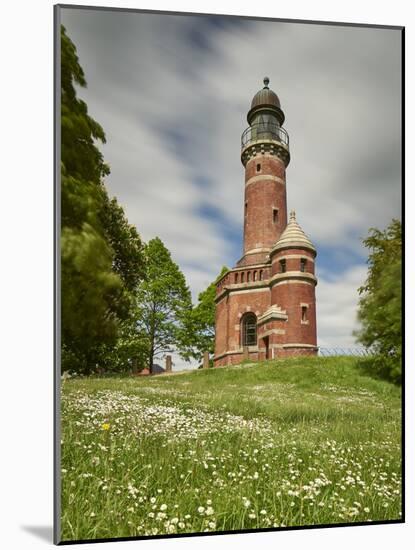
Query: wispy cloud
{"type": "Point", "coordinates": [172, 94]}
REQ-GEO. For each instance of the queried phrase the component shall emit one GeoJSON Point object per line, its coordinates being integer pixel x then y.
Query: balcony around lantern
{"type": "Point", "coordinates": [264, 131]}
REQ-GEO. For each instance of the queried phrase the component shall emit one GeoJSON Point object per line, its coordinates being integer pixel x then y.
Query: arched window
{"type": "Point", "coordinates": [260, 275]}
{"type": "Point", "coordinates": [249, 337]}
{"type": "Point", "coordinates": [242, 277]}
{"type": "Point", "coordinates": [248, 277]}
{"type": "Point", "coordinates": [254, 279]}
{"type": "Point", "coordinates": [236, 278]}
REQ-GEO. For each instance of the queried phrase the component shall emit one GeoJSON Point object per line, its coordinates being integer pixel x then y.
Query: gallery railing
{"type": "Point", "coordinates": [264, 131]}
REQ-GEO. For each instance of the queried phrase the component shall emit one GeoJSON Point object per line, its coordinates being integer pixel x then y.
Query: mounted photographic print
{"type": "Point", "coordinates": [228, 274]}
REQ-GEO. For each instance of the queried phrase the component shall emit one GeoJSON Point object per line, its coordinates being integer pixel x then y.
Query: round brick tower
{"type": "Point", "coordinates": [293, 287]}
{"type": "Point", "coordinates": [265, 155]}
{"type": "Point", "coordinates": [265, 305]}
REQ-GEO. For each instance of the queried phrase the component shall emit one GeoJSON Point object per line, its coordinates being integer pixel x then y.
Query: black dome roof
{"type": "Point", "coordinates": [265, 97]}
{"type": "Point", "coordinates": [266, 100]}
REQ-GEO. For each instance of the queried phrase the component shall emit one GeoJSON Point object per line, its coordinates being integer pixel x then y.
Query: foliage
{"type": "Point", "coordinates": [101, 253]}
{"type": "Point", "coordinates": [79, 154]}
{"type": "Point", "coordinates": [380, 305]}
{"type": "Point", "coordinates": [163, 302]}
{"type": "Point", "coordinates": [128, 249]}
{"type": "Point", "coordinates": [199, 335]}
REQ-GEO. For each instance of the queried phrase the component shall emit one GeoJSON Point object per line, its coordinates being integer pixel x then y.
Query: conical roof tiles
{"type": "Point", "coordinates": [293, 236]}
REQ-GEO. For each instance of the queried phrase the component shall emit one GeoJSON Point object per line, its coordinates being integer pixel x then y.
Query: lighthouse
{"type": "Point", "coordinates": [265, 305]}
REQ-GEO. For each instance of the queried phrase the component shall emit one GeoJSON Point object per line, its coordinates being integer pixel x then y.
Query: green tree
{"type": "Point", "coordinates": [101, 253]}
{"type": "Point", "coordinates": [163, 302]}
{"type": "Point", "coordinates": [380, 304]}
{"type": "Point", "coordinates": [199, 327]}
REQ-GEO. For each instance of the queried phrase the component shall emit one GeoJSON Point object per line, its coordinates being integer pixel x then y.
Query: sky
{"type": "Point", "coordinates": [172, 93]}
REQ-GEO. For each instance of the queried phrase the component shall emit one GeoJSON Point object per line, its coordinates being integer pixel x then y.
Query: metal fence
{"type": "Point", "coordinates": [264, 131]}
{"type": "Point", "coordinates": [354, 352]}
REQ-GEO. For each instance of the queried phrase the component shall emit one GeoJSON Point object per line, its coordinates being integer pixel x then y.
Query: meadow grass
{"type": "Point", "coordinates": [304, 441]}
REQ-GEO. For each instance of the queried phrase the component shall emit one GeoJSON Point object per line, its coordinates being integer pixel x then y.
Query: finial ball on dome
{"type": "Point", "coordinates": [292, 215]}
{"type": "Point", "coordinates": [266, 81]}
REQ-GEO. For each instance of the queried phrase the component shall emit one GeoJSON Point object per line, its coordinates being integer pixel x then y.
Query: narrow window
{"type": "Point", "coordinates": [303, 263]}
{"type": "Point", "coordinates": [249, 336]}
{"type": "Point", "coordinates": [304, 313]}
{"type": "Point", "coordinates": [254, 276]}
{"type": "Point", "coordinates": [283, 266]}
{"type": "Point", "coordinates": [258, 167]}
{"type": "Point", "coordinates": [248, 276]}
{"type": "Point", "coordinates": [236, 278]}
{"type": "Point", "coordinates": [260, 275]}
{"type": "Point", "coordinates": [246, 208]}
{"type": "Point", "coordinates": [242, 277]}
{"type": "Point", "coordinates": [275, 215]}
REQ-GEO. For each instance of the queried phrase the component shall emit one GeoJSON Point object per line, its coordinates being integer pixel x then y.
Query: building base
{"type": "Point", "coordinates": [261, 354]}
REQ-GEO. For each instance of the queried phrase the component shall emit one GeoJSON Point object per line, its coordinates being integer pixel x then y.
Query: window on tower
{"type": "Point", "coordinates": [303, 263]}
{"type": "Point", "coordinates": [258, 167]}
{"type": "Point", "coordinates": [283, 266]}
{"type": "Point", "coordinates": [275, 215]}
{"type": "Point", "coordinates": [249, 336]}
{"type": "Point", "coordinates": [304, 314]}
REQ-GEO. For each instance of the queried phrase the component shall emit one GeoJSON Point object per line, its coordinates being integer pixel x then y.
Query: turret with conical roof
{"type": "Point", "coordinates": [293, 236]}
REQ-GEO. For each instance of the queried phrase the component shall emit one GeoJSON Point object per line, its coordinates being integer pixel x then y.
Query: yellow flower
{"type": "Point", "coordinates": [106, 426]}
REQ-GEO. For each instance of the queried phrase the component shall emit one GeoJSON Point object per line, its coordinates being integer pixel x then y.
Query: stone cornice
{"type": "Point", "coordinates": [274, 312]}
{"type": "Point", "coordinates": [273, 147]}
{"type": "Point", "coordinates": [254, 286]}
{"type": "Point", "coordinates": [299, 275]}
{"type": "Point", "coordinates": [269, 177]}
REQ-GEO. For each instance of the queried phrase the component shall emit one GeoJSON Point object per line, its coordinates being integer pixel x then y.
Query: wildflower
{"type": "Point", "coordinates": [106, 426]}
{"type": "Point", "coordinates": [209, 511]}
{"type": "Point", "coordinates": [251, 516]}
{"type": "Point", "coordinates": [163, 507]}
{"type": "Point", "coordinates": [201, 509]}
{"type": "Point", "coordinates": [152, 500]}
{"type": "Point", "coordinates": [366, 509]}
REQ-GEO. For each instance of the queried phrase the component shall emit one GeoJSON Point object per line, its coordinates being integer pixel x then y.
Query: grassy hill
{"type": "Point", "coordinates": [296, 442]}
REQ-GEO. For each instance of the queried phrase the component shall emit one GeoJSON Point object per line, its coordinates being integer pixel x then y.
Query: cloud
{"type": "Point", "coordinates": [172, 93]}
{"type": "Point", "coordinates": [337, 300]}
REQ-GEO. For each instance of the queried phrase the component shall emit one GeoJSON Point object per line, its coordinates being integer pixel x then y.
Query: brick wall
{"type": "Point", "coordinates": [265, 203]}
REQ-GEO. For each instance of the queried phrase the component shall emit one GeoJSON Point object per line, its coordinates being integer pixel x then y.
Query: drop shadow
{"type": "Point", "coordinates": [43, 532]}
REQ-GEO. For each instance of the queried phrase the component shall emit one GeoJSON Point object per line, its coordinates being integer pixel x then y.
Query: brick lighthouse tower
{"type": "Point", "coordinates": [266, 306]}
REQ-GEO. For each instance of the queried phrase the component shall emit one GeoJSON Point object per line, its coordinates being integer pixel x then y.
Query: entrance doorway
{"type": "Point", "coordinates": [266, 342]}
